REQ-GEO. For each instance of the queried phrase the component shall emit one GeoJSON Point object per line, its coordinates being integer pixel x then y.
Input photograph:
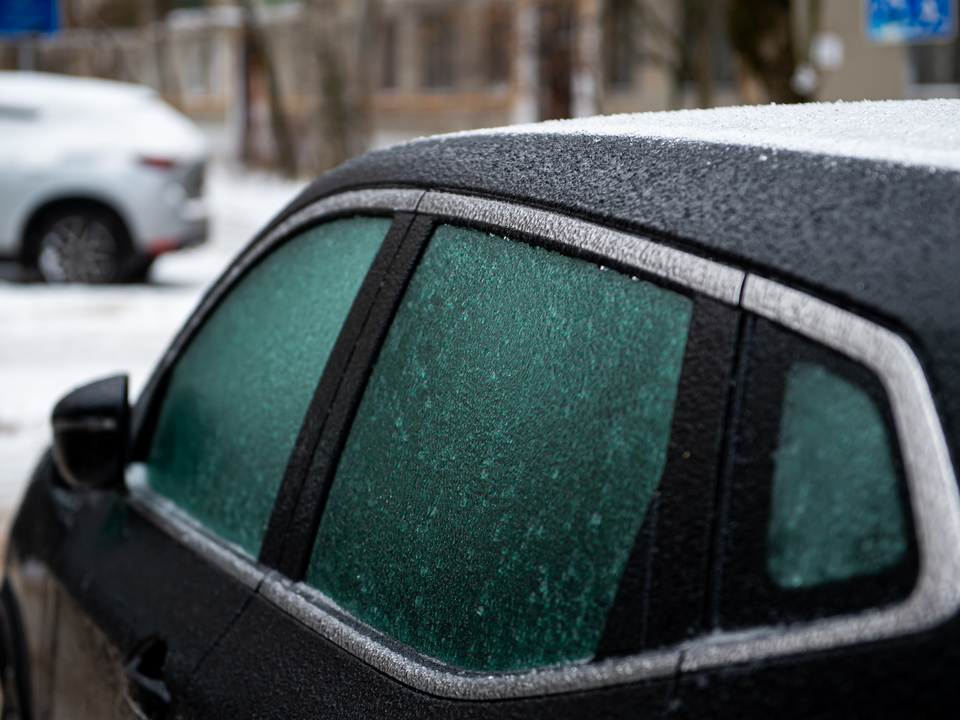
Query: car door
{"type": "Point", "coordinates": [143, 585]}
{"type": "Point", "coordinates": [835, 589]}
{"type": "Point", "coordinates": [509, 509]}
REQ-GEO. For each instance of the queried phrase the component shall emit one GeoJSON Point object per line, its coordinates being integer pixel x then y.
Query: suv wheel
{"type": "Point", "coordinates": [81, 244]}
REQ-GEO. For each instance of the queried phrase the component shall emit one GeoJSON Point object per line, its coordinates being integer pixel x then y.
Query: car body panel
{"type": "Point", "coordinates": [912, 677]}
{"type": "Point", "coordinates": [271, 665]}
{"type": "Point", "coordinates": [111, 580]}
{"type": "Point", "coordinates": [274, 591]}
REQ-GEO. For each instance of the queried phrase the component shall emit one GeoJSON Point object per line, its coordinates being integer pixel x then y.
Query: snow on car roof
{"type": "Point", "coordinates": [90, 115]}
{"type": "Point", "coordinates": [907, 132]}
{"type": "Point", "coordinates": [42, 90]}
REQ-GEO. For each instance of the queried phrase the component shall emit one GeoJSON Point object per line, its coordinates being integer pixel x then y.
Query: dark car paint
{"type": "Point", "coordinates": [238, 655]}
{"type": "Point", "coordinates": [132, 580]}
{"type": "Point", "coordinates": [302, 675]}
{"type": "Point", "coordinates": [263, 663]}
{"type": "Point", "coordinates": [908, 678]}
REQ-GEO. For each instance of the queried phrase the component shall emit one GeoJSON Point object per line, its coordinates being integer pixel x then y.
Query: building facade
{"type": "Point", "coordinates": [348, 75]}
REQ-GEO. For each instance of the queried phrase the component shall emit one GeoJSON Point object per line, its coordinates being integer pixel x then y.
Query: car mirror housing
{"type": "Point", "coordinates": [91, 429]}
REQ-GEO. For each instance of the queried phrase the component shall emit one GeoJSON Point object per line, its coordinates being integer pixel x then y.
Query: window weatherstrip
{"type": "Point", "coordinates": [931, 484]}
{"type": "Point", "coordinates": [712, 279]}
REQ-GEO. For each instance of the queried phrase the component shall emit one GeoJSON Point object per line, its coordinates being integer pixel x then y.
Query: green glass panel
{"type": "Point", "coordinates": [836, 511]}
{"type": "Point", "coordinates": [239, 393]}
{"type": "Point", "coordinates": [504, 454]}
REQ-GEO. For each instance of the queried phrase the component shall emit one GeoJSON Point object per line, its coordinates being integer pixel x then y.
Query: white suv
{"type": "Point", "coordinates": [97, 178]}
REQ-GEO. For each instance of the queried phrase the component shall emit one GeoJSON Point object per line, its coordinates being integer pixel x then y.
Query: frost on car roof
{"type": "Point", "coordinates": [913, 132]}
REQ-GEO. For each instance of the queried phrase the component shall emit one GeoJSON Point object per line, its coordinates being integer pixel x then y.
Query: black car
{"type": "Point", "coordinates": [637, 417]}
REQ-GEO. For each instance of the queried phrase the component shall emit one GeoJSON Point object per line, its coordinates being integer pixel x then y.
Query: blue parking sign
{"type": "Point", "coordinates": [28, 16]}
{"type": "Point", "coordinates": [910, 21]}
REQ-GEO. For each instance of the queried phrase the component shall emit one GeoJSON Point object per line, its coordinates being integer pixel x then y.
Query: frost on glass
{"type": "Point", "coordinates": [240, 391]}
{"type": "Point", "coordinates": [836, 511]}
{"type": "Point", "coordinates": [504, 454]}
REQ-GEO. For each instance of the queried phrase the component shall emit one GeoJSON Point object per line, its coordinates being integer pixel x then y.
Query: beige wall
{"type": "Point", "coordinates": [203, 63]}
{"type": "Point", "coordinates": [869, 72]}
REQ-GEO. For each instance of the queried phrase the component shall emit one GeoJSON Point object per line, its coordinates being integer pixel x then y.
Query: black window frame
{"type": "Point", "coordinates": [743, 594]}
{"type": "Point", "coordinates": [667, 262]}
{"type": "Point", "coordinates": [639, 620]}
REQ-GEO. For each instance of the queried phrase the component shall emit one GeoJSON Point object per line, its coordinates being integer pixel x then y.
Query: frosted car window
{"type": "Point", "coordinates": [504, 454]}
{"type": "Point", "coordinates": [835, 510]}
{"type": "Point", "coordinates": [818, 519]}
{"type": "Point", "coordinates": [239, 393]}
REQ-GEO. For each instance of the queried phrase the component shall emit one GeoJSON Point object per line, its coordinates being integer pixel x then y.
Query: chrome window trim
{"type": "Point", "coordinates": [931, 484]}
{"type": "Point", "coordinates": [395, 200]}
{"type": "Point", "coordinates": [320, 613]}
{"type": "Point", "coordinates": [392, 199]}
{"type": "Point", "coordinates": [720, 282]}
{"type": "Point", "coordinates": [930, 477]}
{"type": "Point", "coordinates": [398, 200]}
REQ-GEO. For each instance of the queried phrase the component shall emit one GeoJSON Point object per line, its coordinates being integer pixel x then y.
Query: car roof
{"type": "Point", "coordinates": [916, 132]}
{"type": "Point", "coordinates": [48, 90]}
{"type": "Point", "coordinates": [856, 202]}
{"type": "Point", "coordinates": [93, 116]}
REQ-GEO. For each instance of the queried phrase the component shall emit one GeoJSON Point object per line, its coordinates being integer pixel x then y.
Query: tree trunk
{"type": "Point", "coordinates": [256, 42]}
{"type": "Point", "coordinates": [761, 32]}
{"type": "Point", "coordinates": [341, 44]}
{"type": "Point", "coordinates": [701, 19]}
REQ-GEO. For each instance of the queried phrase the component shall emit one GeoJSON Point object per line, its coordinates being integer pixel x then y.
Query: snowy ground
{"type": "Point", "coordinates": [53, 339]}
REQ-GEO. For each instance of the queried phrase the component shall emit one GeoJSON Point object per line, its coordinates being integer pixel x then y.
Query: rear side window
{"type": "Point", "coordinates": [834, 509]}
{"type": "Point", "coordinates": [238, 394]}
{"type": "Point", "coordinates": [819, 519]}
{"type": "Point", "coordinates": [504, 455]}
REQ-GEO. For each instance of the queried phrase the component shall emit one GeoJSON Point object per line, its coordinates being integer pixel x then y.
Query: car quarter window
{"type": "Point", "coordinates": [819, 521]}
{"type": "Point", "coordinates": [504, 454]}
{"type": "Point", "coordinates": [238, 394]}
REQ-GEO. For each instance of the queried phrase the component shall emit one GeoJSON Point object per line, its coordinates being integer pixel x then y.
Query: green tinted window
{"type": "Point", "coordinates": [504, 454]}
{"type": "Point", "coordinates": [835, 510]}
{"type": "Point", "coordinates": [240, 391]}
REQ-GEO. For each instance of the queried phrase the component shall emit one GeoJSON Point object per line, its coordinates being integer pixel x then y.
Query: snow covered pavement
{"type": "Point", "coordinates": [55, 338]}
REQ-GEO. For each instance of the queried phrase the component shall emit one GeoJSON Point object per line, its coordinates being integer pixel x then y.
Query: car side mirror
{"type": "Point", "coordinates": [91, 428]}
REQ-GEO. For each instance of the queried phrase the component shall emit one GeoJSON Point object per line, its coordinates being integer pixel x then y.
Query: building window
{"type": "Point", "coordinates": [436, 40]}
{"type": "Point", "coordinates": [706, 46]}
{"type": "Point", "coordinates": [388, 54]}
{"type": "Point", "coordinates": [936, 64]}
{"type": "Point", "coordinates": [498, 43]}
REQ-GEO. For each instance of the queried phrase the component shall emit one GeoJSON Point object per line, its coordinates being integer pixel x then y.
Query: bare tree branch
{"type": "Point", "coordinates": [256, 39]}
